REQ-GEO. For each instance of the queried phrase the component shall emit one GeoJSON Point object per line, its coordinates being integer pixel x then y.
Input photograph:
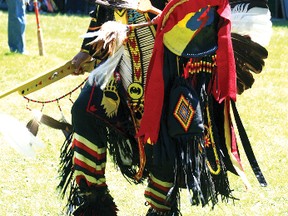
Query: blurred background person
{"type": "Point", "coordinates": [16, 25]}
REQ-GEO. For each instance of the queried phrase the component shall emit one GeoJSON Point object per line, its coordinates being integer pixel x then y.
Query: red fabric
{"type": "Point", "coordinates": [225, 85]}
{"type": "Point", "coordinates": [226, 69]}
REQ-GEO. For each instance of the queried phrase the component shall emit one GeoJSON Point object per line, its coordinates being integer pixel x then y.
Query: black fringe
{"type": "Point", "coordinates": [194, 170]}
{"type": "Point", "coordinates": [192, 173]}
{"type": "Point", "coordinates": [65, 168]}
{"type": "Point", "coordinates": [221, 182]}
{"type": "Point", "coordinates": [125, 155]}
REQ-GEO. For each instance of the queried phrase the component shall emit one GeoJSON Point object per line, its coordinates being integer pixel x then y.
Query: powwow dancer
{"type": "Point", "coordinates": [187, 98]}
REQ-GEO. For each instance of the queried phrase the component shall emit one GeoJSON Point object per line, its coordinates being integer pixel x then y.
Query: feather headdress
{"type": "Point", "coordinates": [251, 31]}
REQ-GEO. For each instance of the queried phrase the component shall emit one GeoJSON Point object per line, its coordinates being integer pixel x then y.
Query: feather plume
{"type": "Point", "coordinates": [253, 19]}
{"type": "Point", "coordinates": [18, 136]}
{"type": "Point", "coordinates": [245, 43]}
{"type": "Point", "coordinates": [101, 74]}
{"type": "Point", "coordinates": [33, 126]}
{"type": "Point", "coordinates": [245, 79]}
{"type": "Point", "coordinates": [251, 31]}
{"type": "Point", "coordinates": [107, 46]}
{"type": "Point", "coordinates": [126, 69]}
{"type": "Point", "coordinates": [249, 58]}
{"type": "Point", "coordinates": [109, 38]}
{"type": "Point", "coordinates": [53, 123]}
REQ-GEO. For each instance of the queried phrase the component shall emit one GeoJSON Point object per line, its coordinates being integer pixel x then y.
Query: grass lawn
{"type": "Point", "coordinates": [28, 186]}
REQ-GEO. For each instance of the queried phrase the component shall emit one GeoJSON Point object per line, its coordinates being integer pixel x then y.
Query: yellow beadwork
{"type": "Point", "coordinates": [210, 134]}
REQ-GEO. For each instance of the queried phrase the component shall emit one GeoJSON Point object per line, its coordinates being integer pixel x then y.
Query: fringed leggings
{"type": "Point", "coordinates": [156, 193]}
{"type": "Point", "coordinates": [160, 182]}
{"type": "Point", "coordinates": [90, 195]}
{"type": "Point", "coordinates": [88, 145]}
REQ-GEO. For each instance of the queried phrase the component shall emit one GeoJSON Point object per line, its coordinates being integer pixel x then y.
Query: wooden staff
{"type": "Point", "coordinates": [39, 32]}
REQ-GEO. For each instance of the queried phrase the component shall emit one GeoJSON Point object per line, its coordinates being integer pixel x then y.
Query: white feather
{"type": "Point", "coordinates": [255, 22]}
{"type": "Point", "coordinates": [90, 34]}
{"type": "Point", "coordinates": [126, 69]}
{"type": "Point", "coordinates": [101, 74]}
{"type": "Point", "coordinates": [110, 30]}
{"type": "Point", "coordinates": [18, 136]}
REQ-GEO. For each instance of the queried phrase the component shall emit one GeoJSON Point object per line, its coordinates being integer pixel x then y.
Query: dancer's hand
{"type": "Point", "coordinates": [78, 60]}
{"type": "Point", "coordinates": [146, 6]}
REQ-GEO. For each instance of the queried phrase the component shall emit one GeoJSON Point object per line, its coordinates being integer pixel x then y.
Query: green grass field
{"type": "Point", "coordinates": [28, 186]}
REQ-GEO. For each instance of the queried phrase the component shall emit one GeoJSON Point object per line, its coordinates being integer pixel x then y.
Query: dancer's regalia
{"type": "Point", "coordinates": [196, 67]}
